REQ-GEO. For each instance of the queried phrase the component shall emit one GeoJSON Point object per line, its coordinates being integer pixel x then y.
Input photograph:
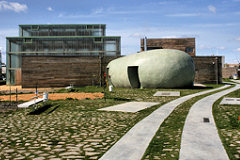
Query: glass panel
{"type": "Point", "coordinates": [58, 29]}
{"type": "Point", "coordinates": [110, 53]}
{"type": "Point", "coordinates": [12, 77]}
{"type": "Point", "coordinates": [15, 61]}
{"type": "Point", "coordinates": [97, 32]}
{"type": "Point", "coordinates": [110, 46]}
{"type": "Point", "coordinates": [14, 47]}
{"type": "Point", "coordinates": [26, 33]}
{"type": "Point", "coordinates": [70, 29]}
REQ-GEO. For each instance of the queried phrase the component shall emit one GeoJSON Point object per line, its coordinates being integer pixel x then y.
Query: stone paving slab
{"type": "Point", "coordinates": [200, 139]}
{"type": "Point", "coordinates": [228, 100]}
{"type": "Point", "coordinates": [130, 106]}
{"type": "Point", "coordinates": [134, 143]}
{"type": "Point", "coordinates": [167, 93]}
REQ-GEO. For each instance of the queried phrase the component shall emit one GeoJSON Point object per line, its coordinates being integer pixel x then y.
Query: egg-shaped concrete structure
{"type": "Point", "coordinates": [160, 68]}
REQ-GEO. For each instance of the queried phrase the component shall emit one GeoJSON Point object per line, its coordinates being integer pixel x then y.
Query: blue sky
{"type": "Point", "coordinates": [214, 23]}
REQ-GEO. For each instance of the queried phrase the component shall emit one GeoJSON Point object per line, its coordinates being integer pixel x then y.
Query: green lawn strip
{"type": "Point", "coordinates": [87, 89]}
{"type": "Point", "coordinates": [167, 140]}
{"type": "Point", "coordinates": [228, 124]}
{"type": "Point", "coordinates": [227, 80]}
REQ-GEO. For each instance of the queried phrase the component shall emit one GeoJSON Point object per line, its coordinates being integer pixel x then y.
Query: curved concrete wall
{"type": "Point", "coordinates": [162, 68]}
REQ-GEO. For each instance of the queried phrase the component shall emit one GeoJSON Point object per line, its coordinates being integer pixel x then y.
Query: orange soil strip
{"type": "Point", "coordinates": [54, 96]}
{"type": "Point", "coordinates": [20, 89]}
{"type": "Point", "coordinates": [5, 87]}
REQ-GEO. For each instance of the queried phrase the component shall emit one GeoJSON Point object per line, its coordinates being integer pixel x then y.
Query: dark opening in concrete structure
{"type": "Point", "coordinates": [133, 76]}
{"type": "Point", "coordinates": [206, 120]}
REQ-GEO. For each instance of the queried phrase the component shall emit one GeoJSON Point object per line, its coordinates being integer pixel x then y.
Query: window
{"type": "Point", "coordinates": [152, 48]}
{"type": "Point", "coordinates": [27, 40]}
{"type": "Point", "coordinates": [35, 27]}
{"type": "Point", "coordinates": [98, 40]}
{"type": "Point", "coordinates": [189, 49]}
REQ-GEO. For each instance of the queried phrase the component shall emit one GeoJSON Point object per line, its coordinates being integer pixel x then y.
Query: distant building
{"type": "Point", "coordinates": [0, 65]}
{"type": "Point", "coordinates": [231, 69]}
{"type": "Point", "coordinates": [183, 44]}
{"type": "Point", "coordinates": [232, 65]}
{"type": "Point", "coordinates": [59, 55]}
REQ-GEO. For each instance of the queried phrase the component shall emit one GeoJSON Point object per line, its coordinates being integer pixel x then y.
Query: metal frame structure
{"type": "Point", "coordinates": [58, 40]}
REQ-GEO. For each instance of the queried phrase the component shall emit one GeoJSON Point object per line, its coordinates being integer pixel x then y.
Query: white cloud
{"type": "Point", "coordinates": [207, 47]}
{"type": "Point", "coordinates": [238, 49]}
{"type": "Point", "coordinates": [98, 11]}
{"type": "Point", "coordinates": [238, 39]}
{"type": "Point", "coordinates": [94, 14]}
{"type": "Point", "coordinates": [221, 48]}
{"type": "Point", "coordinates": [6, 33]}
{"type": "Point", "coordinates": [212, 9]}
{"type": "Point", "coordinates": [130, 37]}
{"type": "Point", "coordinates": [203, 47]}
{"type": "Point", "coordinates": [13, 6]}
{"type": "Point", "coordinates": [184, 15]}
{"type": "Point", "coordinates": [50, 9]}
{"type": "Point", "coordinates": [3, 34]}
{"type": "Point", "coordinates": [137, 35]}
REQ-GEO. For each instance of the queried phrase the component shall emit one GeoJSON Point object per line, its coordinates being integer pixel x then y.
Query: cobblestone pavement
{"type": "Point", "coordinates": [75, 130]}
{"type": "Point", "coordinates": [59, 135]}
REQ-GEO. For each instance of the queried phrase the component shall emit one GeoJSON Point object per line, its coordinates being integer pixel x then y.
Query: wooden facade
{"type": "Point", "coordinates": [183, 44]}
{"type": "Point", "coordinates": [59, 71]}
{"type": "Point", "coordinates": [208, 69]}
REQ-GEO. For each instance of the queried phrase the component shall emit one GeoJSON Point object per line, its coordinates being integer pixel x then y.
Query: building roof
{"type": "Point", "coordinates": [67, 37]}
{"type": "Point", "coordinates": [25, 25]}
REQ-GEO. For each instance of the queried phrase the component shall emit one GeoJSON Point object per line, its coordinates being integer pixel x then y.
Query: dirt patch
{"type": "Point", "coordinates": [54, 96]}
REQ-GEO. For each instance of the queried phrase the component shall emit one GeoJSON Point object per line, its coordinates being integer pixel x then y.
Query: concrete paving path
{"type": "Point", "coordinates": [134, 143]}
{"type": "Point", "coordinates": [129, 106]}
{"type": "Point", "coordinates": [231, 101]}
{"type": "Point", "coordinates": [200, 139]}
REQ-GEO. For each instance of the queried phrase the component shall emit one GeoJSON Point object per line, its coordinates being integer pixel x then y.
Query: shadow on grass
{"type": "Point", "coordinates": [40, 110]}
{"type": "Point", "coordinates": [53, 109]}
{"type": "Point", "coordinates": [201, 87]}
{"type": "Point", "coordinates": [119, 99]}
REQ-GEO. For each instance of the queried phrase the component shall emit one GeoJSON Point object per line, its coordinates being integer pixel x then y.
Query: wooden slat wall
{"type": "Point", "coordinates": [56, 71]}
{"type": "Point", "coordinates": [208, 69]}
{"type": "Point", "coordinates": [18, 76]}
{"type": "Point", "coordinates": [171, 43]}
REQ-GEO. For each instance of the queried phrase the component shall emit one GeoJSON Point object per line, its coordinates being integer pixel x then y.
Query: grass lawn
{"type": "Point", "coordinates": [167, 141]}
{"type": "Point", "coordinates": [74, 128]}
{"type": "Point", "coordinates": [226, 118]}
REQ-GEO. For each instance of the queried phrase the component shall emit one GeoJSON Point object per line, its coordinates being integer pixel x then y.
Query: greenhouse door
{"type": "Point", "coordinates": [133, 76]}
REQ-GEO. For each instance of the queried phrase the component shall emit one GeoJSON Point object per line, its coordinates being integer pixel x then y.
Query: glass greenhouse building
{"type": "Point", "coordinates": [58, 40]}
